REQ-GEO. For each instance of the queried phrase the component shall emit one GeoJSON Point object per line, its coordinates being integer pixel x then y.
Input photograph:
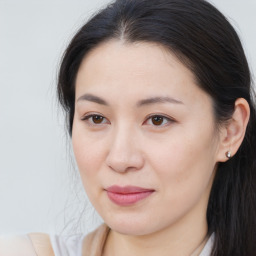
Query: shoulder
{"type": "Point", "coordinates": [35, 244]}
{"type": "Point", "coordinates": [94, 242]}
{"type": "Point", "coordinates": [16, 246]}
{"type": "Point", "coordinates": [32, 244]}
{"type": "Point", "coordinates": [75, 245]}
{"type": "Point", "coordinates": [67, 245]}
{"type": "Point", "coordinates": [40, 244]}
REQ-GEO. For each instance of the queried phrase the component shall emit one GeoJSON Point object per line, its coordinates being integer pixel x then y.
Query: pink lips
{"type": "Point", "coordinates": [127, 195]}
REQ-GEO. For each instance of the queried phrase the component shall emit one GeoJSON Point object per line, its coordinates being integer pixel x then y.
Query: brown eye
{"type": "Point", "coordinates": [157, 120]}
{"type": "Point", "coordinates": [97, 119]}
{"type": "Point", "coordinates": [94, 119]}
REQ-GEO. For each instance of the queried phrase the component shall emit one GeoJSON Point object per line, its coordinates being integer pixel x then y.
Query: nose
{"type": "Point", "coordinates": [124, 152]}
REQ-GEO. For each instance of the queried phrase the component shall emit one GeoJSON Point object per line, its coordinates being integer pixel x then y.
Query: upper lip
{"type": "Point", "coordinates": [127, 189]}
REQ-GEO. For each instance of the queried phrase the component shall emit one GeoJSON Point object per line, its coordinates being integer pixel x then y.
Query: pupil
{"type": "Point", "coordinates": [157, 120]}
{"type": "Point", "coordinates": [97, 119]}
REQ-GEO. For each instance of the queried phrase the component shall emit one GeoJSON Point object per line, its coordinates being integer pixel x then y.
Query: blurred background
{"type": "Point", "coordinates": [40, 188]}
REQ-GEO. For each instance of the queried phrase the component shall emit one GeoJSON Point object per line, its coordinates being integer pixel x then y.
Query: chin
{"type": "Point", "coordinates": [130, 230]}
{"type": "Point", "coordinates": [131, 226]}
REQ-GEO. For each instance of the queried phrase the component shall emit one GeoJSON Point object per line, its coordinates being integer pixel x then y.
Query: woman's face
{"type": "Point", "coordinates": [144, 138]}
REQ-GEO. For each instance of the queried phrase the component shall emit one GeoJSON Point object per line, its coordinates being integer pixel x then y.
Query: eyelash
{"type": "Point", "coordinates": [88, 118]}
{"type": "Point", "coordinates": [165, 119]}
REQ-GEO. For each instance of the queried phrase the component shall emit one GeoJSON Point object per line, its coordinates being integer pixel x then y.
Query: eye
{"type": "Point", "coordinates": [158, 120]}
{"type": "Point", "coordinates": [95, 119]}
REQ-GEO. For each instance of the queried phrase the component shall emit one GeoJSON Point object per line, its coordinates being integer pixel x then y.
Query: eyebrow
{"type": "Point", "coordinates": [149, 101]}
{"type": "Point", "coordinates": [155, 100]}
{"type": "Point", "coordinates": [92, 98]}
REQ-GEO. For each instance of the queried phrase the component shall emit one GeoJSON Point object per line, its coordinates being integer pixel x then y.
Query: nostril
{"type": "Point", "coordinates": [121, 163]}
{"type": "Point", "coordinates": [118, 164]}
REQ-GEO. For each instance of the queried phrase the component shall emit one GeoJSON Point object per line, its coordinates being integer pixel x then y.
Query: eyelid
{"type": "Point", "coordinates": [87, 116]}
{"type": "Point", "coordinates": [164, 116]}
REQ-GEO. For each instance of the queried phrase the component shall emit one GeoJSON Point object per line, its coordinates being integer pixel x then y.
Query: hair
{"type": "Point", "coordinates": [205, 42]}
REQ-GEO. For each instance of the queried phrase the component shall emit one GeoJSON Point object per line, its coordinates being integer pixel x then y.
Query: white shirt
{"type": "Point", "coordinates": [62, 246]}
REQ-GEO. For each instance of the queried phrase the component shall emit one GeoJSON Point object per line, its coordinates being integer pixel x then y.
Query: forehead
{"type": "Point", "coordinates": [139, 69]}
{"type": "Point", "coordinates": [131, 57]}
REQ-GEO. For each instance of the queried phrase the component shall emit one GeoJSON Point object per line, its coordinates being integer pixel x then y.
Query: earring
{"type": "Point", "coordinates": [228, 154]}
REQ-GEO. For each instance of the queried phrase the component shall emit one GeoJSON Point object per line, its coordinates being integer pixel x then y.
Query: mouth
{"type": "Point", "coordinates": [128, 195]}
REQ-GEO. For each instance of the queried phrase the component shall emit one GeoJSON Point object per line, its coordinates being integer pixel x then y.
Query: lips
{"type": "Point", "coordinates": [128, 195]}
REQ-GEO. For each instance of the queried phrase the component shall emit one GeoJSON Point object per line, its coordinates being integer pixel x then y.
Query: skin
{"type": "Point", "coordinates": [123, 145]}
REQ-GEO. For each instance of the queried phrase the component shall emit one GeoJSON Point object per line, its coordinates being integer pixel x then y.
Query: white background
{"type": "Point", "coordinates": [39, 186]}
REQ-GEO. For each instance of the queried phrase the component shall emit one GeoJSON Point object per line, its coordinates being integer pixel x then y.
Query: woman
{"type": "Point", "coordinates": [162, 120]}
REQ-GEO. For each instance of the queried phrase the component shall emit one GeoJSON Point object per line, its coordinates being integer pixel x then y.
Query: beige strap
{"type": "Point", "coordinates": [93, 243]}
{"type": "Point", "coordinates": [42, 244]}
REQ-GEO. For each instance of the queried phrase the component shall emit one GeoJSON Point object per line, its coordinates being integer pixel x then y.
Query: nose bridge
{"type": "Point", "coordinates": [124, 151]}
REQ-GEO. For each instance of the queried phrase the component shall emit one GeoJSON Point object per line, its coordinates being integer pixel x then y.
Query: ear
{"type": "Point", "coordinates": [232, 133]}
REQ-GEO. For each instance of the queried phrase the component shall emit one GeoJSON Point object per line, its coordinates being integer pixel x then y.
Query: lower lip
{"type": "Point", "coordinates": [128, 199]}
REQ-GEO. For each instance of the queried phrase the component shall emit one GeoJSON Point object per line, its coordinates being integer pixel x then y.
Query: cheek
{"type": "Point", "coordinates": [184, 179]}
{"type": "Point", "coordinates": [89, 154]}
{"type": "Point", "coordinates": [184, 163]}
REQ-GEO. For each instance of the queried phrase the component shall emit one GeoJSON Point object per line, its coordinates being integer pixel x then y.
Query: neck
{"type": "Point", "coordinates": [178, 238]}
